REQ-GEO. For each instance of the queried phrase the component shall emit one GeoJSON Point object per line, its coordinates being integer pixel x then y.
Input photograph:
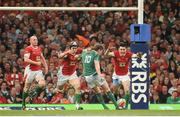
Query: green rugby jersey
{"type": "Point", "coordinates": [88, 58]}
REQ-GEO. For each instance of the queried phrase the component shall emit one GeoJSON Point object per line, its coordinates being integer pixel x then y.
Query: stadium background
{"type": "Point", "coordinates": [56, 29]}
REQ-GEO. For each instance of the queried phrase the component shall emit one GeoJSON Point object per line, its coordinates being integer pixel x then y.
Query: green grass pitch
{"type": "Point", "coordinates": [92, 110]}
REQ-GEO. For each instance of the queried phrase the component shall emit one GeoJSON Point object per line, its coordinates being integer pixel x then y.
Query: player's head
{"type": "Point", "coordinates": [123, 49]}
{"type": "Point", "coordinates": [99, 48]}
{"type": "Point", "coordinates": [33, 41]}
{"type": "Point", "coordinates": [73, 46]}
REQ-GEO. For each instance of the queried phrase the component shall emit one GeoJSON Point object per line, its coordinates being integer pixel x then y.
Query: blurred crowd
{"type": "Point", "coordinates": [55, 29]}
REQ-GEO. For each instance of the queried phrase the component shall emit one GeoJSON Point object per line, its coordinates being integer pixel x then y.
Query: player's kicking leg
{"type": "Point", "coordinates": [100, 97]}
{"type": "Point", "coordinates": [110, 95]}
{"type": "Point", "coordinates": [76, 84]}
{"type": "Point", "coordinates": [92, 83]}
{"type": "Point", "coordinates": [102, 82]}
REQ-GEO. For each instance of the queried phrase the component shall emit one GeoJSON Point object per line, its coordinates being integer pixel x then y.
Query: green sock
{"type": "Point", "coordinates": [126, 97]}
{"type": "Point", "coordinates": [24, 96]}
{"type": "Point", "coordinates": [112, 98]}
{"type": "Point", "coordinates": [77, 98]}
{"type": "Point", "coordinates": [101, 100]}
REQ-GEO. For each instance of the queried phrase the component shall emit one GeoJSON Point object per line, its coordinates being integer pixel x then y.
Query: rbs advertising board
{"type": "Point", "coordinates": [139, 71]}
{"type": "Point", "coordinates": [140, 77]}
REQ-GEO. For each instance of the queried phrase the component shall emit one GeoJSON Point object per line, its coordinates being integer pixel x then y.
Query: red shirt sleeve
{"type": "Point", "coordinates": [68, 56]}
{"type": "Point", "coordinates": [129, 54]}
{"type": "Point", "coordinates": [27, 50]}
{"type": "Point", "coordinates": [79, 50]}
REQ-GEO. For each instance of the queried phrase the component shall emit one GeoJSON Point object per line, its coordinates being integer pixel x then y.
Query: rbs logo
{"type": "Point", "coordinates": [140, 80]}
{"type": "Point", "coordinates": [139, 87]}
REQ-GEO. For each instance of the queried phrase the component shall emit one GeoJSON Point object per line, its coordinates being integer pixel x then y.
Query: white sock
{"type": "Point", "coordinates": [77, 105]}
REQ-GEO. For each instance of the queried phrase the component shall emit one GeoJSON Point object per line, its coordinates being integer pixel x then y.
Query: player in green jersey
{"type": "Point", "coordinates": [92, 73]}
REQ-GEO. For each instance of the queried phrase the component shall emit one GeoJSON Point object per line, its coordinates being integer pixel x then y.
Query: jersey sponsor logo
{"type": "Point", "coordinates": [72, 63]}
{"type": "Point", "coordinates": [122, 64]}
{"type": "Point", "coordinates": [38, 58]}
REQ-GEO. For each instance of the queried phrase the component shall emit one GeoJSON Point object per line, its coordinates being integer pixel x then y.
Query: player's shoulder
{"type": "Point", "coordinates": [129, 52]}
{"type": "Point", "coordinates": [94, 52]}
{"type": "Point", "coordinates": [28, 48]}
{"type": "Point", "coordinates": [40, 48]}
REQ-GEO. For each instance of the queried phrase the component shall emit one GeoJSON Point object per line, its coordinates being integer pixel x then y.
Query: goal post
{"type": "Point", "coordinates": [71, 8]}
{"type": "Point", "coordinates": [139, 32]}
{"type": "Point", "coordinates": [139, 8]}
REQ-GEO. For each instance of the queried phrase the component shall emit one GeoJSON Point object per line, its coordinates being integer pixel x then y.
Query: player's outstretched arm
{"type": "Point", "coordinates": [26, 59]}
{"type": "Point", "coordinates": [108, 53]}
{"type": "Point", "coordinates": [78, 57]}
{"type": "Point", "coordinates": [64, 54]}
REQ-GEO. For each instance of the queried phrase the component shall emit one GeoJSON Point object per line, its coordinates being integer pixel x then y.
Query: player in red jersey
{"type": "Point", "coordinates": [121, 60]}
{"type": "Point", "coordinates": [33, 58]}
{"type": "Point", "coordinates": [67, 71]}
